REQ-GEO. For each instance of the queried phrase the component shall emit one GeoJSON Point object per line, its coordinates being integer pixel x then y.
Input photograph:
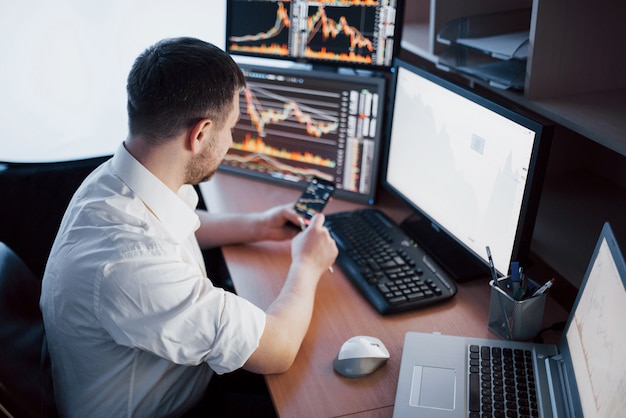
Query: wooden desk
{"type": "Point", "coordinates": [311, 387]}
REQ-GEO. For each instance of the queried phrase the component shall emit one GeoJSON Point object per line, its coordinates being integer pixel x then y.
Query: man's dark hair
{"type": "Point", "coordinates": [176, 83]}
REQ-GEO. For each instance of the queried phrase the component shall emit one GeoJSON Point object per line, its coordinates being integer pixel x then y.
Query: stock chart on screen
{"type": "Point", "coordinates": [345, 32]}
{"type": "Point", "coordinates": [296, 124]}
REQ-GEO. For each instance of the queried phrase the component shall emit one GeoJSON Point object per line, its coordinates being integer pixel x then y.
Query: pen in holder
{"type": "Point", "coordinates": [513, 319]}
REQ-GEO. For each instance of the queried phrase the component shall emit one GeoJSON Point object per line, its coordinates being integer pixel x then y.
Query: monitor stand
{"type": "Point", "coordinates": [460, 264]}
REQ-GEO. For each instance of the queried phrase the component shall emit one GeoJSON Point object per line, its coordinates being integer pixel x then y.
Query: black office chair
{"type": "Point", "coordinates": [25, 379]}
{"type": "Point", "coordinates": [34, 198]}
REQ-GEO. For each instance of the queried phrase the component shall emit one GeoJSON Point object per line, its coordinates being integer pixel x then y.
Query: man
{"type": "Point", "coordinates": [134, 326]}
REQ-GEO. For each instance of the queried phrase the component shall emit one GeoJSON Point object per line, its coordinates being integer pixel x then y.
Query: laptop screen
{"type": "Point", "coordinates": [595, 334]}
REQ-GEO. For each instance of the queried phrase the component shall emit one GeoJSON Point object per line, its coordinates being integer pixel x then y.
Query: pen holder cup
{"type": "Point", "coordinates": [513, 319]}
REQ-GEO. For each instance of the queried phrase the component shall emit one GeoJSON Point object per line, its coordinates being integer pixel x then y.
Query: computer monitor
{"type": "Point", "coordinates": [352, 33]}
{"type": "Point", "coordinates": [299, 123]}
{"type": "Point", "coordinates": [471, 169]}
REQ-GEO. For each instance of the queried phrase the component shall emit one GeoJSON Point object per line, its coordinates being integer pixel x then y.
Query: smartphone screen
{"type": "Point", "coordinates": [314, 198]}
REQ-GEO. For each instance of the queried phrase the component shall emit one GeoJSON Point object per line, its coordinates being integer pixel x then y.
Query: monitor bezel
{"type": "Point", "coordinates": [398, 27]}
{"type": "Point", "coordinates": [375, 80]}
{"type": "Point", "coordinates": [461, 262]}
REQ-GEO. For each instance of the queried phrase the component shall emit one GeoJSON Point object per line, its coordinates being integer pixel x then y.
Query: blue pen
{"type": "Point", "coordinates": [515, 277]}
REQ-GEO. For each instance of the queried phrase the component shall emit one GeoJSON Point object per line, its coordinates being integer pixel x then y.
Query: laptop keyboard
{"type": "Point", "coordinates": [501, 382]}
{"type": "Point", "coordinates": [382, 262]}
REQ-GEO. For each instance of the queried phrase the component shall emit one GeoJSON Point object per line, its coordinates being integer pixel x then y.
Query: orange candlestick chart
{"type": "Point", "coordinates": [328, 30]}
{"type": "Point", "coordinates": [294, 125]}
{"type": "Point", "coordinates": [276, 34]}
{"type": "Point", "coordinates": [289, 130]}
{"type": "Point", "coordinates": [319, 25]}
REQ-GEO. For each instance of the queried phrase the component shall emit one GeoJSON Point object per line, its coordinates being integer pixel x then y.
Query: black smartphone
{"type": "Point", "coordinates": [313, 199]}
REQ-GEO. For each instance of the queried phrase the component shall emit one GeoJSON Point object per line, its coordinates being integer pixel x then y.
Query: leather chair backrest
{"type": "Point", "coordinates": [25, 378]}
{"type": "Point", "coordinates": [33, 198]}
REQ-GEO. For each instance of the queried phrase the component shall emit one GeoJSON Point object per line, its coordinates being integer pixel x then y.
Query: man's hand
{"type": "Point", "coordinates": [289, 316]}
{"type": "Point", "coordinates": [219, 229]}
{"type": "Point", "coordinates": [314, 247]}
{"type": "Point", "coordinates": [273, 223]}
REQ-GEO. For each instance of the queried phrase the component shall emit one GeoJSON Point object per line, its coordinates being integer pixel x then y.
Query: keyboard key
{"type": "Point", "coordinates": [485, 352]}
{"type": "Point", "coordinates": [474, 392]}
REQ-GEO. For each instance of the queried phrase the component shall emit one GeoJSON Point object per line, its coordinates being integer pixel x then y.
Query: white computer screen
{"type": "Point", "coordinates": [462, 164]}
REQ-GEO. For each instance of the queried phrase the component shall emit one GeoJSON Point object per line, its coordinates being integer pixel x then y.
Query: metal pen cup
{"type": "Point", "coordinates": [513, 319]}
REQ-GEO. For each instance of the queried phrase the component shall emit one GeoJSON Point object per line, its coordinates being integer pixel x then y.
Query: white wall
{"type": "Point", "coordinates": [64, 63]}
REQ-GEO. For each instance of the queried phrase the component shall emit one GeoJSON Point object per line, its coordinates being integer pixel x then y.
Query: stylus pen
{"type": "Point", "coordinates": [494, 275]}
{"type": "Point", "coordinates": [303, 227]}
{"type": "Point", "coordinates": [543, 289]}
{"type": "Point", "coordinates": [492, 268]}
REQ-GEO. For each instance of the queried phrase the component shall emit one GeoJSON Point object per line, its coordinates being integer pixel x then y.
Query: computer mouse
{"type": "Point", "coordinates": [360, 356]}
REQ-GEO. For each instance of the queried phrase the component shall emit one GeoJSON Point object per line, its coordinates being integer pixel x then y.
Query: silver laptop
{"type": "Point", "coordinates": [585, 375]}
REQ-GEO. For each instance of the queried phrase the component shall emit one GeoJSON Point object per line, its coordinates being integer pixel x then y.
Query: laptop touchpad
{"type": "Point", "coordinates": [433, 387]}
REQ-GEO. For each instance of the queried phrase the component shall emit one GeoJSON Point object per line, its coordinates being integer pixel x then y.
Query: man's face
{"type": "Point", "coordinates": [205, 164]}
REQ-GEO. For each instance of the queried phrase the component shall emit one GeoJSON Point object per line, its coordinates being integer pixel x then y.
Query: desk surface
{"type": "Point", "coordinates": [311, 387]}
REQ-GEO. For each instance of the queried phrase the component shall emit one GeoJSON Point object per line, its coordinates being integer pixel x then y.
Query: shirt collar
{"type": "Point", "coordinates": [175, 211]}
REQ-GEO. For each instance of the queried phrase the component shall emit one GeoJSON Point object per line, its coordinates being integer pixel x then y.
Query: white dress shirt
{"type": "Point", "coordinates": [133, 325]}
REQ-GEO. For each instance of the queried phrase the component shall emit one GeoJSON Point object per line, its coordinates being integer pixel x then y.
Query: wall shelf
{"type": "Point", "coordinates": [575, 73]}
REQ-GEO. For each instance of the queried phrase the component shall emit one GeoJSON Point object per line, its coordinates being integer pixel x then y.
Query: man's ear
{"type": "Point", "coordinates": [199, 134]}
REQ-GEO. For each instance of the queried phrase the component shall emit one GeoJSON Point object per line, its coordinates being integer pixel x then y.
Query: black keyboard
{"type": "Point", "coordinates": [501, 382]}
{"type": "Point", "coordinates": [384, 264]}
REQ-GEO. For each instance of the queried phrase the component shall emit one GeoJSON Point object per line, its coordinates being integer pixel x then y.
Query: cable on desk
{"type": "Point", "coordinates": [557, 326]}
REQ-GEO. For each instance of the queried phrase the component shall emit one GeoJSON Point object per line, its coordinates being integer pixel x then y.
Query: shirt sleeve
{"type": "Point", "coordinates": [165, 306]}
